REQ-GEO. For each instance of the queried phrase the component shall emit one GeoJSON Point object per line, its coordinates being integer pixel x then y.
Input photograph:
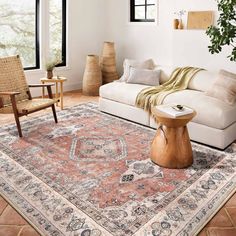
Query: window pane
{"type": "Point", "coordinates": [55, 29]}
{"type": "Point", "coordinates": [17, 30]}
{"type": "Point", "coordinates": [139, 2]}
{"type": "Point", "coordinates": [151, 12]}
{"type": "Point", "coordinates": [139, 12]}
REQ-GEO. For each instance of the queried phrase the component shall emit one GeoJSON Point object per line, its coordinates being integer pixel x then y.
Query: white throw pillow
{"type": "Point", "coordinates": [147, 64]}
{"type": "Point", "coordinates": [224, 87]}
{"type": "Point", "coordinates": [144, 76]}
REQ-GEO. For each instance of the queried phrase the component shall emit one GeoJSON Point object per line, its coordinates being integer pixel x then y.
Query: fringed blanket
{"type": "Point", "coordinates": [153, 96]}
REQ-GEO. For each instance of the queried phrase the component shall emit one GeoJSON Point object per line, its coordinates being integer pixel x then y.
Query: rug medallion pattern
{"type": "Point", "coordinates": [91, 175]}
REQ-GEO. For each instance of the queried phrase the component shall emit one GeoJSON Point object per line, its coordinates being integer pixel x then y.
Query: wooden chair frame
{"type": "Point", "coordinates": [17, 114]}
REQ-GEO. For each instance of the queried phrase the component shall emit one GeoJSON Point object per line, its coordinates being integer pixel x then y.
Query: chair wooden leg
{"type": "Point", "coordinates": [54, 113]}
{"type": "Point", "coordinates": [13, 101]}
{"type": "Point", "coordinates": [18, 125]}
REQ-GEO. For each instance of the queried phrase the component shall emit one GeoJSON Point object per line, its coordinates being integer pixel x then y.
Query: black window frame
{"type": "Point", "coordinates": [37, 36]}
{"type": "Point", "coordinates": [37, 43]}
{"type": "Point", "coordinates": [63, 49]}
{"type": "Point", "coordinates": [132, 12]}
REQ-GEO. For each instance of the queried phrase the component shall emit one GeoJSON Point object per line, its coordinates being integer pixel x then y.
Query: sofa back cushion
{"type": "Point", "coordinates": [165, 72]}
{"type": "Point", "coordinates": [202, 81]}
{"type": "Point", "coordinates": [224, 87]}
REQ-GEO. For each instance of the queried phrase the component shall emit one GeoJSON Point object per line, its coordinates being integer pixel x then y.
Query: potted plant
{"type": "Point", "coordinates": [224, 33]}
{"type": "Point", "coordinates": [49, 66]}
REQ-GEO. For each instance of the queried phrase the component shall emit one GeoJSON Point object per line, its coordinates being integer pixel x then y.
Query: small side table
{"type": "Point", "coordinates": [171, 147]}
{"type": "Point", "coordinates": [57, 80]}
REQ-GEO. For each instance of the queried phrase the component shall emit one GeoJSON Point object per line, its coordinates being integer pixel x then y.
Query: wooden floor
{"type": "Point", "coordinates": [12, 224]}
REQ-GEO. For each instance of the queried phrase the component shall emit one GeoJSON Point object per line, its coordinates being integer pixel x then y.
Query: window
{"type": "Point", "coordinates": [142, 10]}
{"type": "Point", "coordinates": [19, 30]}
{"type": "Point", "coordinates": [57, 30]}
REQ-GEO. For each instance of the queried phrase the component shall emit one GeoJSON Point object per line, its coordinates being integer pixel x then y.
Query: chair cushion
{"type": "Point", "coordinates": [210, 111]}
{"type": "Point", "coordinates": [121, 92]}
{"type": "Point", "coordinates": [28, 106]}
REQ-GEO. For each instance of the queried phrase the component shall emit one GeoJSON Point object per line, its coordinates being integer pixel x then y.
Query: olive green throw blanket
{"type": "Point", "coordinates": [153, 96]}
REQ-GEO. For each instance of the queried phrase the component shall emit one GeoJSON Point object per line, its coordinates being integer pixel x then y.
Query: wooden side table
{"type": "Point", "coordinates": [57, 80]}
{"type": "Point", "coordinates": [171, 146]}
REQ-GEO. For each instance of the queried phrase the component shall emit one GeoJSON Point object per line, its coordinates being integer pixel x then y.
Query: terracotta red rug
{"type": "Point", "coordinates": [91, 175]}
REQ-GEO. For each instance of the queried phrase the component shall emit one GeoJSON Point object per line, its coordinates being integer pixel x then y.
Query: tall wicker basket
{"type": "Point", "coordinates": [92, 79]}
{"type": "Point", "coordinates": [108, 63]}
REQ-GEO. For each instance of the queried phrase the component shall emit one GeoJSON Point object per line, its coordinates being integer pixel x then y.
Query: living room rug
{"type": "Point", "coordinates": [91, 175]}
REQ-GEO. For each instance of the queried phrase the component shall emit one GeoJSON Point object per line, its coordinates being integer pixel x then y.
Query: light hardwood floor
{"type": "Point", "coordinates": [12, 223]}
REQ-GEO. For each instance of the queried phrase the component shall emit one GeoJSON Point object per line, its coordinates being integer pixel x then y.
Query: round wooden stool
{"type": "Point", "coordinates": [171, 146]}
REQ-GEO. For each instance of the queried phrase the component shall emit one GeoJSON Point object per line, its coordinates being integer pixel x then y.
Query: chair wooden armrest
{"type": "Point", "coordinates": [9, 93]}
{"type": "Point", "coordinates": [48, 86]}
{"type": "Point", "coordinates": [40, 85]}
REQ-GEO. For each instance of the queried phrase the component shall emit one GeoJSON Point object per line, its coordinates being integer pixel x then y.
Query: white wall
{"type": "Point", "coordinates": [190, 47]}
{"type": "Point", "coordinates": [136, 40]}
{"type": "Point", "coordinates": [86, 29]}
{"type": "Point", "coordinates": [91, 22]}
{"type": "Point", "coordinates": [161, 42]}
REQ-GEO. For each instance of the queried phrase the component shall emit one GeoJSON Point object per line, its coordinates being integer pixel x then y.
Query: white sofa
{"type": "Point", "coordinates": [214, 124]}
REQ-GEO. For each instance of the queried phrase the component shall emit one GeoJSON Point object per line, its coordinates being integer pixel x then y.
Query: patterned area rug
{"type": "Point", "coordinates": [91, 175]}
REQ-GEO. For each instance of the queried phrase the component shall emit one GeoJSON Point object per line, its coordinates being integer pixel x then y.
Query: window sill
{"type": "Point", "coordinates": [37, 71]}
{"type": "Point", "coordinates": [138, 23]}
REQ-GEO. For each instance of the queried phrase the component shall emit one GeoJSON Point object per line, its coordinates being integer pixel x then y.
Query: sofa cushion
{"type": "Point", "coordinates": [203, 80]}
{"type": "Point", "coordinates": [224, 87]}
{"type": "Point", "coordinates": [210, 111]}
{"type": "Point", "coordinates": [121, 92]}
{"type": "Point", "coordinates": [165, 72]}
{"type": "Point", "coordinates": [128, 63]}
{"type": "Point", "coordinates": [144, 76]}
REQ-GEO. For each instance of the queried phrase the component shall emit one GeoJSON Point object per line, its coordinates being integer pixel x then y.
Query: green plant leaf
{"type": "Point", "coordinates": [225, 31]}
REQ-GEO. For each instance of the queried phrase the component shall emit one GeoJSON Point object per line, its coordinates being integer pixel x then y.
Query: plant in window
{"type": "Point", "coordinates": [224, 33]}
{"type": "Point", "coordinates": [20, 29]}
{"type": "Point", "coordinates": [50, 65]}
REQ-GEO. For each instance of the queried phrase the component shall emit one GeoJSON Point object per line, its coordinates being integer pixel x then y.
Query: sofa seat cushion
{"type": "Point", "coordinates": [210, 111]}
{"type": "Point", "coordinates": [121, 92]}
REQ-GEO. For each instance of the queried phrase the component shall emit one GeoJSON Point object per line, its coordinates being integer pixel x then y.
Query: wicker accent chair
{"type": "Point", "coordinates": [15, 95]}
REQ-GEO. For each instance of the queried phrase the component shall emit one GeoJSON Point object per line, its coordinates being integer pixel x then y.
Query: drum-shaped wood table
{"type": "Point", "coordinates": [171, 147]}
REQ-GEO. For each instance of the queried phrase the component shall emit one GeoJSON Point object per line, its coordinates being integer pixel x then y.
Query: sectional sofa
{"type": "Point", "coordinates": [214, 124]}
